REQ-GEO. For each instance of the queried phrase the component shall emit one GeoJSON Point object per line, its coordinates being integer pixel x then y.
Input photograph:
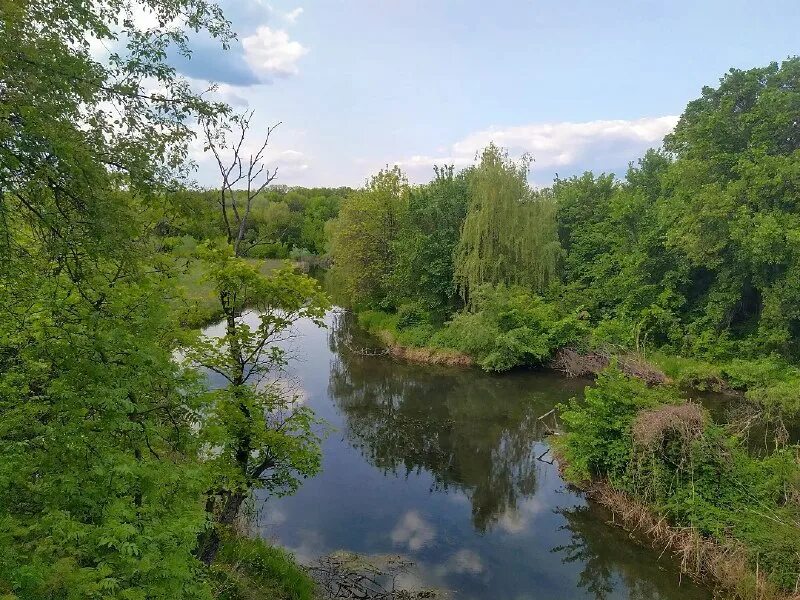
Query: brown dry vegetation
{"type": "Point", "coordinates": [579, 364]}
{"type": "Point", "coordinates": [685, 421]}
{"type": "Point", "coordinates": [722, 565]}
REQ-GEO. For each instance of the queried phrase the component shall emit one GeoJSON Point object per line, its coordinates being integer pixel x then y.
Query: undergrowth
{"type": "Point", "coordinates": [648, 443]}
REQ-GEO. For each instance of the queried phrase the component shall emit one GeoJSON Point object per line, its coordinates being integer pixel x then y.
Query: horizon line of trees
{"type": "Point", "coordinates": [696, 250]}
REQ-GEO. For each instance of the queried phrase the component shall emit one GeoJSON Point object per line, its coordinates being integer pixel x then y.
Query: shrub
{"type": "Point", "coordinates": [411, 314]}
{"type": "Point", "coordinates": [598, 442]}
{"type": "Point", "coordinates": [416, 335]}
{"type": "Point", "coordinates": [510, 327]}
{"type": "Point", "coordinates": [270, 250]}
{"type": "Point", "coordinates": [658, 449]}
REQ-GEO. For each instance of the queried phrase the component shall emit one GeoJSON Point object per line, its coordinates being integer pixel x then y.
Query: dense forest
{"type": "Point", "coordinates": [123, 472]}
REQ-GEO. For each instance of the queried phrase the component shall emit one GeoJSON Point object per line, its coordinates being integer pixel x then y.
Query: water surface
{"type": "Point", "coordinates": [448, 467]}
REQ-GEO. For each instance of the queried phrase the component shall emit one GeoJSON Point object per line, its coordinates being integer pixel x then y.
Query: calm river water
{"type": "Point", "coordinates": [441, 465]}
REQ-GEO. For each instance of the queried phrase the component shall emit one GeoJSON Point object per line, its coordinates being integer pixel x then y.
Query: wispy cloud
{"type": "Point", "coordinates": [293, 15]}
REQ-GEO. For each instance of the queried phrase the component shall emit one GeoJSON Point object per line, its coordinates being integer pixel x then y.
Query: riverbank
{"type": "Point", "coordinates": [723, 565]}
{"type": "Point", "coordinates": [248, 568]}
{"type": "Point", "coordinates": [687, 484]}
{"type": "Point", "coordinates": [768, 383]}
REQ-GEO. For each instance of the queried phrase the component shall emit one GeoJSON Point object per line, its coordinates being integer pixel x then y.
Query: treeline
{"type": "Point", "coordinates": [695, 253]}
{"type": "Point", "coordinates": [285, 222]}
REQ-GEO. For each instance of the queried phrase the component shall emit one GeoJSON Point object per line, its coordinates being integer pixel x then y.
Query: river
{"type": "Point", "coordinates": [448, 467]}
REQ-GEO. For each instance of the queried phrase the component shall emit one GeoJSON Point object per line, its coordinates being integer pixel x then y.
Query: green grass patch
{"type": "Point", "coordinates": [250, 569]}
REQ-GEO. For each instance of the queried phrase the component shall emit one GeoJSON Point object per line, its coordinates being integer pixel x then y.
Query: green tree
{"type": "Point", "coordinates": [732, 209]}
{"type": "Point", "coordinates": [363, 239]}
{"type": "Point", "coordinates": [509, 234]}
{"type": "Point", "coordinates": [99, 483]}
{"type": "Point", "coordinates": [427, 242]}
{"type": "Point", "coordinates": [256, 434]}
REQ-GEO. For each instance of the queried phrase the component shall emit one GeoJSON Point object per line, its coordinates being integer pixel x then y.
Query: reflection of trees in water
{"type": "Point", "coordinates": [460, 427]}
{"type": "Point", "coordinates": [475, 433]}
{"type": "Point", "coordinates": [606, 556]}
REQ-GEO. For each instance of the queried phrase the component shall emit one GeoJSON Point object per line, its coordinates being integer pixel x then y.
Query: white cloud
{"type": "Point", "coordinates": [601, 144]}
{"type": "Point", "coordinates": [519, 519]}
{"type": "Point", "coordinates": [271, 53]}
{"type": "Point", "coordinates": [465, 561]}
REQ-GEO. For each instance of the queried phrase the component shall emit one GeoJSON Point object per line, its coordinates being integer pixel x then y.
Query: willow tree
{"type": "Point", "coordinates": [510, 234]}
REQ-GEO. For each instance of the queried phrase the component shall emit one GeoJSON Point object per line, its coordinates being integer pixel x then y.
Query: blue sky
{"type": "Point", "coordinates": [580, 84]}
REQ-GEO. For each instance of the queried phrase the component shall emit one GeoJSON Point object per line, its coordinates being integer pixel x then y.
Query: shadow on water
{"type": "Point", "coordinates": [445, 467]}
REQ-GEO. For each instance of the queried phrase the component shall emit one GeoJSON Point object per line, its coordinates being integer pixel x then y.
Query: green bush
{"type": "Point", "coordinates": [693, 473]}
{"type": "Point", "coordinates": [376, 321]}
{"type": "Point", "coordinates": [416, 335]}
{"type": "Point", "coordinates": [412, 314]}
{"type": "Point", "coordinates": [510, 327]}
{"type": "Point", "coordinates": [598, 440]}
{"type": "Point", "coordinates": [270, 250]}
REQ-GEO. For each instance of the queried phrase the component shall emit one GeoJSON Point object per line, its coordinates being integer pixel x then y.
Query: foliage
{"type": "Point", "coordinates": [427, 241]}
{"type": "Point", "coordinates": [694, 473]}
{"type": "Point", "coordinates": [100, 489]}
{"type": "Point", "coordinates": [281, 219]}
{"type": "Point", "coordinates": [255, 435]}
{"type": "Point", "coordinates": [509, 326]}
{"type": "Point", "coordinates": [509, 235]}
{"type": "Point", "coordinates": [363, 239]}
{"type": "Point", "coordinates": [598, 442]}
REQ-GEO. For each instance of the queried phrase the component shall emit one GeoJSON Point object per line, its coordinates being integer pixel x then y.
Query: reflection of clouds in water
{"type": "Point", "coordinates": [414, 531]}
{"type": "Point", "coordinates": [310, 548]}
{"type": "Point", "coordinates": [464, 561]}
{"type": "Point", "coordinates": [518, 520]}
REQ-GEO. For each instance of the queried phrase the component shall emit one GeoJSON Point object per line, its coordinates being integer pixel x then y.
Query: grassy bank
{"type": "Point", "coordinates": [247, 569]}
{"type": "Point", "coordinates": [661, 465]}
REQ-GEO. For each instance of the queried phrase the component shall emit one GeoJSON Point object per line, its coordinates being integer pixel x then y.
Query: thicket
{"type": "Point", "coordinates": [285, 222]}
{"type": "Point", "coordinates": [668, 454]}
{"type": "Point", "coordinates": [117, 463]}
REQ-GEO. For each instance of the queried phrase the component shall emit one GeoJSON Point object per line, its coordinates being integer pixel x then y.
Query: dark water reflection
{"type": "Point", "coordinates": [442, 465]}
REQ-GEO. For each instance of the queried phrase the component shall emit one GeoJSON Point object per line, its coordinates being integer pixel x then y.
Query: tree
{"type": "Point", "coordinates": [256, 435]}
{"type": "Point", "coordinates": [732, 212]}
{"type": "Point", "coordinates": [236, 205]}
{"type": "Point", "coordinates": [427, 241]}
{"type": "Point", "coordinates": [99, 483]}
{"type": "Point", "coordinates": [509, 234]}
{"type": "Point", "coordinates": [363, 238]}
